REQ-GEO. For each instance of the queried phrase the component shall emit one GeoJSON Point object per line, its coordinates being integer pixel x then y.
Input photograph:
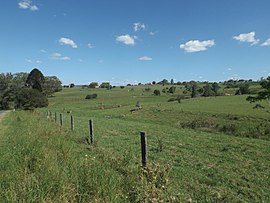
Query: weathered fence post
{"type": "Point", "coordinates": [61, 119]}
{"type": "Point", "coordinates": [50, 115]}
{"type": "Point", "coordinates": [144, 149]}
{"type": "Point", "coordinates": [72, 123]}
{"type": "Point", "coordinates": [91, 131]}
{"type": "Point", "coordinates": [55, 117]}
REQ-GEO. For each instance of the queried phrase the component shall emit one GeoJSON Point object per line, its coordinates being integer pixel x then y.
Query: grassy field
{"type": "Point", "coordinates": [217, 150]}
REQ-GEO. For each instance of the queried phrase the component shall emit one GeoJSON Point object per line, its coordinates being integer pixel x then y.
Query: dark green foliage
{"type": "Point", "coordinates": [215, 88]}
{"type": "Point", "coordinates": [172, 82]}
{"type": "Point", "coordinates": [157, 92]}
{"type": "Point", "coordinates": [35, 80]}
{"type": "Point", "coordinates": [243, 89]}
{"type": "Point", "coordinates": [172, 90]}
{"type": "Point", "coordinates": [122, 87]}
{"type": "Point", "coordinates": [28, 99]}
{"type": "Point", "coordinates": [207, 91]}
{"type": "Point", "coordinates": [72, 85]}
{"type": "Point", "coordinates": [264, 94]}
{"type": "Point", "coordinates": [93, 85]}
{"type": "Point", "coordinates": [105, 85]}
{"type": "Point", "coordinates": [91, 96]}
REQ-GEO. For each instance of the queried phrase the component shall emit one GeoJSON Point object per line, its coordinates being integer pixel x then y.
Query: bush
{"type": "Point", "coordinates": [157, 92]}
{"type": "Point", "coordinates": [29, 99]}
{"type": "Point", "coordinates": [91, 96]}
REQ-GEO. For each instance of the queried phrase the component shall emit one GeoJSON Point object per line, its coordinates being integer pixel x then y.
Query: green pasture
{"type": "Point", "coordinates": [217, 149]}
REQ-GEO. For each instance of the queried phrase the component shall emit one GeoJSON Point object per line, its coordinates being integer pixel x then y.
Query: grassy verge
{"type": "Point", "coordinates": [41, 163]}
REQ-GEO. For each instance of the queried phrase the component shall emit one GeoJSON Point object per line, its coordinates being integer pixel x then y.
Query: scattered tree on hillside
{"type": "Point", "coordinates": [105, 85]}
{"type": "Point", "coordinates": [243, 89]}
{"type": "Point", "coordinates": [172, 82]}
{"type": "Point", "coordinates": [264, 94]}
{"type": "Point", "coordinates": [72, 85]}
{"type": "Point", "coordinates": [207, 91]}
{"type": "Point", "coordinates": [215, 88]}
{"type": "Point", "coordinates": [172, 90]}
{"type": "Point", "coordinates": [93, 85]}
{"type": "Point", "coordinates": [157, 92]}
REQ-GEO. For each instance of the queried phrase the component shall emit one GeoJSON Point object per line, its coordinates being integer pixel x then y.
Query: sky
{"type": "Point", "coordinates": [124, 41]}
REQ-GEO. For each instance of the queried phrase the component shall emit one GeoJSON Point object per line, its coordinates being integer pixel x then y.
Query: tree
{"type": "Point", "coordinates": [93, 85]}
{"type": "Point", "coordinates": [157, 92]}
{"type": "Point", "coordinates": [35, 80]}
{"type": "Point", "coordinates": [207, 91]}
{"type": "Point", "coordinates": [172, 82]}
{"type": "Point", "coordinates": [215, 88]}
{"type": "Point", "coordinates": [264, 94]}
{"type": "Point", "coordinates": [154, 82]}
{"type": "Point", "coordinates": [243, 89]}
{"type": "Point", "coordinates": [72, 85]}
{"type": "Point", "coordinates": [105, 85]}
{"type": "Point", "coordinates": [172, 90]}
{"type": "Point", "coordinates": [194, 90]}
{"type": "Point", "coordinates": [28, 99]}
{"type": "Point", "coordinates": [51, 85]}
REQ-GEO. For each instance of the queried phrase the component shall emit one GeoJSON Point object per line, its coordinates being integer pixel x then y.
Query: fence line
{"type": "Point", "coordinates": [49, 114]}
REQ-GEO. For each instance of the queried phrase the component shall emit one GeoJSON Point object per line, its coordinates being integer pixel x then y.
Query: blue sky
{"type": "Point", "coordinates": [125, 41]}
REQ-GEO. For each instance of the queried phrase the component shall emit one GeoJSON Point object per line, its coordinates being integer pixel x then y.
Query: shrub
{"type": "Point", "coordinates": [172, 90]}
{"type": "Point", "coordinates": [157, 92]}
{"type": "Point", "coordinates": [91, 96]}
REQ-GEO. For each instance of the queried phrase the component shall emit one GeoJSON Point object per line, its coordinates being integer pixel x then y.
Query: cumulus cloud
{"type": "Point", "coordinates": [196, 45]}
{"type": "Point", "coordinates": [145, 58]}
{"type": "Point", "coordinates": [247, 37]}
{"type": "Point", "coordinates": [266, 43]}
{"type": "Point", "coordinates": [27, 4]}
{"type": "Point", "coordinates": [126, 39]}
{"type": "Point", "coordinates": [43, 51]}
{"type": "Point", "coordinates": [138, 26]}
{"type": "Point", "coordinates": [68, 42]}
{"type": "Point", "coordinates": [57, 56]}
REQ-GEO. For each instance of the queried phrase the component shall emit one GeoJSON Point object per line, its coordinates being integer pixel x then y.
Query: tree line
{"type": "Point", "coordinates": [27, 90]}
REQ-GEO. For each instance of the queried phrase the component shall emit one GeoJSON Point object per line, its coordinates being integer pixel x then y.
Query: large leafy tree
{"type": "Point", "coordinates": [35, 80]}
{"type": "Point", "coordinates": [51, 85]}
{"type": "Point", "coordinates": [264, 94]}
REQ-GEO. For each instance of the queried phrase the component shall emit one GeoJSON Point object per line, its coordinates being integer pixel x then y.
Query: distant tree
{"type": "Point", "coordinates": [164, 82]}
{"type": "Point", "coordinates": [207, 91]}
{"type": "Point", "coordinates": [172, 82]}
{"type": "Point", "coordinates": [154, 82]}
{"type": "Point", "coordinates": [51, 85]}
{"type": "Point", "coordinates": [72, 85]}
{"type": "Point", "coordinates": [243, 89]}
{"type": "Point", "coordinates": [93, 85]}
{"type": "Point", "coordinates": [91, 96]}
{"type": "Point", "coordinates": [105, 85]}
{"type": "Point", "coordinates": [215, 88]}
{"type": "Point", "coordinates": [194, 91]}
{"type": "Point", "coordinates": [147, 89]}
{"type": "Point", "coordinates": [28, 98]}
{"type": "Point", "coordinates": [172, 90]}
{"type": "Point", "coordinates": [35, 80]}
{"type": "Point", "coordinates": [264, 94]}
{"type": "Point", "coordinates": [157, 92]}
{"type": "Point", "coordinates": [122, 87]}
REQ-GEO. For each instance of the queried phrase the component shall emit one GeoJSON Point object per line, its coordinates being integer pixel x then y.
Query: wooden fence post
{"type": "Point", "coordinates": [55, 117]}
{"type": "Point", "coordinates": [91, 131]}
{"type": "Point", "coordinates": [50, 115]}
{"type": "Point", "coordinates": [144, 149]}
{"type": "Point", "coordinates": [61, 119]}
{"type": "Point", "coordinates": [72, 123]}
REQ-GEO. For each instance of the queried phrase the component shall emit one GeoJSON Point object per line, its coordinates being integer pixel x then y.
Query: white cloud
{"type": "Point", "coordinates": [152, 33]}
{"type": "Point", "coordinates": [38, 61]}
{"type": "Point", "coordinates": [196, 45]}
{"type": "Point", "coordinates": [43, 51]}
{"type": "Point", "coordinates": [145, 58]}
{"type": "Point", "coordinates": [90, 46]}
{"type": "Point", "coordinates": [57, 56]}
{"type": "Point", "coordinates": [27, 4]}
{"type": "Point", "coordinates": [266, 43]}
{"type": "Point", "coordinates": [229, 69]}
{"type": "Point", "coordinates": [68, 42]}
{"type": "Point", "coordinates": [126, 39]}
{"type": "Point", "coordinates": [247, 37]}
{"type": "Point", "coordinates": [138, 26]}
